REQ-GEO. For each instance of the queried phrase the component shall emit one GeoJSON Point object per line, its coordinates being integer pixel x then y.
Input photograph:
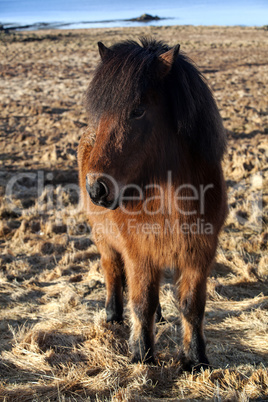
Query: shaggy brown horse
{"type": "Point", "coordinates": [152, 184]}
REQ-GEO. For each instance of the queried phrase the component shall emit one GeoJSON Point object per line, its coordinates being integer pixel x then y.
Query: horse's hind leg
{"type": "Point", "coordinates": [113, 268]}
{"type": "Point", "coordinates": [192, 300]}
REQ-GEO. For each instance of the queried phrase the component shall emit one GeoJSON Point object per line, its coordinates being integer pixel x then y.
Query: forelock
{"type": "Point", "coordinates": [121, 80]}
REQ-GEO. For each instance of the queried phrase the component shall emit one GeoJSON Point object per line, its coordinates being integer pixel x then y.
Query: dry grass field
{"type": "Point", "coordinates": [55, 344]}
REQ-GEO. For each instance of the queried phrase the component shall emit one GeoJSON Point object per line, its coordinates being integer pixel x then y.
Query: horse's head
{"type": "Point", "coordinates": [153, 113]}
{"type": "Point", "coordinates": [126, 99]}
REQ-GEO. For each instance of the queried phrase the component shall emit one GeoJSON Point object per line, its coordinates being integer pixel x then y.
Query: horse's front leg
{"type": "Point", "coordinates": [192, 299]}
{"type": "Point", "coordinates": [143, 283]}
{"type": "Point", "coordinates": [113, 268]}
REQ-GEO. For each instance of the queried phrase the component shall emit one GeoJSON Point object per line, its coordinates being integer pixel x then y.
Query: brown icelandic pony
{"type": "Point", "coordinates": [152, 184]}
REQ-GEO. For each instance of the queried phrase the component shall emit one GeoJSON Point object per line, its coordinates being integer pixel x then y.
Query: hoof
{"type": "Point", "coordinates": [142, 355]}
{"type": "Point", "coordinates": [114, 318]}
{"type": "Point", "coordinates": [192, 365]}
{"type": "Point", "coordinates": [146, 360]}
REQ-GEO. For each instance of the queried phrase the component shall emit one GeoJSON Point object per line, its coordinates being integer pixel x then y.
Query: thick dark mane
{"type": "Point", "coordinates": [126, 74]}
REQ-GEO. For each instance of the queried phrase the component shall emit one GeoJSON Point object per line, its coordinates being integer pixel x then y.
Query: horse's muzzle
{"type": "Point", "coordinates": [99, 192]}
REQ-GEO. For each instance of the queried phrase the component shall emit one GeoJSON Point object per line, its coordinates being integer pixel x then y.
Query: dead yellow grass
{"type": "Point", "coordinates": [55, 344]}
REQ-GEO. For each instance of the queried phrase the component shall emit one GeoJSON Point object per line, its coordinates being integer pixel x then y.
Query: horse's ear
{"type": "Point", "coordinates": [104, 51]}
{"type": "Point", "coordinates": [167, 59]}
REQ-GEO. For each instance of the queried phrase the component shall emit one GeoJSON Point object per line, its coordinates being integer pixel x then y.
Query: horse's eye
{"type": "Point", "coordinates": [137, 113]}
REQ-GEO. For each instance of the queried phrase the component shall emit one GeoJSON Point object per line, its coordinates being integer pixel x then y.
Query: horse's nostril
{"type": "Point", "coordinates": [103, 191]}
{"type": "Point", "coordinates": [98, 191]}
